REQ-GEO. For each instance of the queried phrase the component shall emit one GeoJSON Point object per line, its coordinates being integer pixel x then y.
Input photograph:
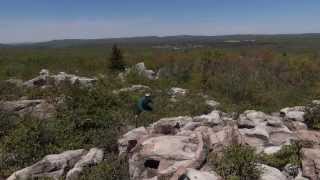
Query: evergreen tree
{"type": "Point", "coordinates": [116, 60]}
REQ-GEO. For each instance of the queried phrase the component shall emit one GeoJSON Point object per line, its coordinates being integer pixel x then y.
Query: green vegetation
{"type": "Point", "coordinates": [289, 154]}
{"type": "Point", "coordinates": [237, 162]}
{"type": "Point", "coordinates": [312, 116]}
{"type": "Point", "coordinates": [267, 75]}
{"type": "Point", "coordinates": [116, 60]}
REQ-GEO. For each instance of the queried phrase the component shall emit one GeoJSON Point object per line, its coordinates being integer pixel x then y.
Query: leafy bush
{"type": "Point", "coordinates": [312, 116]}
{"type": "Point", "coordinates": [289, 154]}
{"type": "Point", "coordinates": [236, 162]}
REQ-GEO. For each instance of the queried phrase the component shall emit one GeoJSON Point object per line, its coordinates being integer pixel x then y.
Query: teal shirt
{"type": "Point", "coordinates": [144, 104]}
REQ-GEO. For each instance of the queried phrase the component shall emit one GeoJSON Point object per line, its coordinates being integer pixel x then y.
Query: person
{"type": "Point", "coordinates": [144, 105]}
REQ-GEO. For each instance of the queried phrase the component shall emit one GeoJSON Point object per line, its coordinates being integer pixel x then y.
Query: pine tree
{"type": "Point", "coordinates": [116, 59]}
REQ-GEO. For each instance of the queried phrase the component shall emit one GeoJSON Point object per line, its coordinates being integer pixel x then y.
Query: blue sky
{"type": "Point", "coordinates": [42, 20]}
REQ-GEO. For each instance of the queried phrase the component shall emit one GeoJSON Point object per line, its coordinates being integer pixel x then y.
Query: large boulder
{"type": "Point", "coordinates": [50, 166]}
{"type": "Point", "coordinates": [39, 81]}
{"type": "Point", "coordinates": [39, 108]}
{"type": "Point", "coordinates": [163, 155]}
{"type": "Point", "coordinates": [311, 163]}
{"type": "Point", "coordinates": [308, 137]}
{"type": "Point", "coordinates": [63, 77]}
{"type": "Point", "coordinates": [224, 137]}
{"type": "Point", "coordinates": [57, 165]}
{"type": "Point", "coordinates": [193, 174]}
{"type": "Point", "coordinates": [133, 88]}
{"type": "Point", "coordinates": [170, 125]}
{"type": "Point", "coordinates": [271, 173]}
{"type": "Point", "coordinates": [294, 113]}
{"type": "Point", "coordinates": [131, 139]}
{"type": "Point", "coordinates": [211, 119]}
{"type": "Point", "coordinates": [45, 80]}
{"type": "Point", "coordinates": [92, 158]}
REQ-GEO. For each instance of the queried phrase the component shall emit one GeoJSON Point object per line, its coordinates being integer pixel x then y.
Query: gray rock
{"type": "Point", "coordinates": [311, 163]}
{"type": "Point", "coordinates": [133, 88]}
{"type": "Point", "coordinates": [131, 139]}
{"type": "Point", "coordinates": [272, 149]}
{"type": "Point", "coordinates": [163, 155]}
{"type": "Point", "coordinates": [52, 166]}
{"type": "Point", "coordinates": [211, 119]}
{"type": "Point", "coordinates": [92, 158]}
{"type": "Point", "coordinates": [294, 113]}
{"type": "Point", "coordinates": [35, 108]}
{"type": "Point", "coordinates": [271, 173]}
{"type": "Point", "coordinates": [45, 80]}
{"type": "Point", "coordinates": [193, 174]}
{"type": "Point", "coordinates": [170, 125]}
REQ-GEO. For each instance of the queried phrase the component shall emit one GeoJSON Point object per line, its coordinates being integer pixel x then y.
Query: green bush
{"type": "Point", "coordinates": [289, 154]}
{"type": "Point", "coordinates": [312, 117]}
{"type": "Point", "coordinates": [236, 162]}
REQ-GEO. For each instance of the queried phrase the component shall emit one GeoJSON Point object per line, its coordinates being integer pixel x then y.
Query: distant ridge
{"type": "Point", "coordinates": [157, 40]}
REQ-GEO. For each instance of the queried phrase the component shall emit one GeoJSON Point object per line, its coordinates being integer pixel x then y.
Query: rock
{"type": "Point", "coordinates": [316, 102]}
{"type": "Point", "coordinates": [212, 103]}
{"type": "Point", "coordinates": [271, 173]}
{"type": "Point", "coordinates": [311, 163]}
{"type": "Point", "coordinates": [170, 125]}
{"type": "Point", "coordinates": [143, 71]}
{"type": "Point", "coordinates": [45, 80]}
{"type": "Point", "coordinates": [281, 136]}
{"type": "Point", "coordinates": [272, 149]}
{"type": "Point", "coordinates": [92, 158]}
{"type": "Point", "coordinates": [132, 89]}
{"type": "Point", "coordinates": [193, 174]}
{"type": "Point", "coordinates": [294, 113]}
{"type": "Point", "coordinates": [57, 165]}
{"type": "Point", "coordinates": [63, 77]}
{"type": "Point", "coordinates": [308, 137]}
{"type": "Point", "coordinates": [251, 118]}
{"type": "Point", "coordinates": [175, 92]}
{"type": "Point", "coordinates": [50, 166]}
{"type": "Point", "coordinates": [227, 136]}
{"type": "Point", "coordinates": [300, 177]}
{"type": "Point", "coordinates": [296, 125]}
{"type": "Point", "coordinates": [39, 81]}
{"type": "Point", "coordinates": [163, 155]}
{"type": "Point", "coordinates": [131, 139]}
{"type": "Point", "coordinates": [35, 108]}
{"type": "Point", "coordinates": [274, 121]}
{"type": "Point", "coordinates": [211, 119]}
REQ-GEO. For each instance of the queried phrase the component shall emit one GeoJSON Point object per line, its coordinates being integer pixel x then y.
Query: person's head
{"type": "Point", "coordinates": [147, 95]}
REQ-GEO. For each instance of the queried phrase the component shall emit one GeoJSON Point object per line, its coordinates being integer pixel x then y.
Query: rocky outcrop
{"type": "Point", "coordinates": [141, 70]}
{"type": "Point", "coordinates": [40, 109]}
{"type": "Point", "coordinates": [175, 147]}
{"type": "Point", "coordinates": [271, 173]}
{"type": "Point", "coordinates": [45, 80]}
{"type": "Point", "coordinates": [294, 113]}
{"type": "Point", "coordinates": [133, 88]}
{"type": "Point", "coordinates": [57, 165]}
{"type": "Point", "coordinates": [193, 174]}
{"type": "Point", "coordinates": [311, 163]}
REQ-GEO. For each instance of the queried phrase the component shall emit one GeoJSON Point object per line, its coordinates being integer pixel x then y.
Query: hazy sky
{"type": "Point", "coordinates": [41, 20]}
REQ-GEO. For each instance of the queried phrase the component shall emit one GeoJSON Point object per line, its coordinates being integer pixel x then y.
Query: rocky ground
{"type": "Point", "coordinates": [178, 148]}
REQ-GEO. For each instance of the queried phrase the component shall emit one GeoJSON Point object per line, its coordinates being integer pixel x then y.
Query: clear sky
{"type": "Point", "coordinates": [41, 20]}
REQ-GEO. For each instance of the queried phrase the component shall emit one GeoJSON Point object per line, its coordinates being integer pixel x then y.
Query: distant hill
{"type": "Point", "coordinates": [173, 40]}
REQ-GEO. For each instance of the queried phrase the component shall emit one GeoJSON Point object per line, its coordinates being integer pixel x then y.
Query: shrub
{"type": "Point", "coordinates": [312, 117]}
{"type": "Point", "coordinates": [289, 154]}
{"type": "Point", "coordinates": [236, 162]}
